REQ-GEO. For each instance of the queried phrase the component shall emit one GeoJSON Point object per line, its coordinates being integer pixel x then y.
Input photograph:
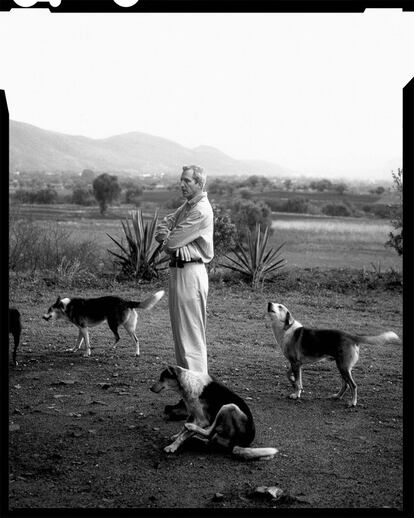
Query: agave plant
{"type": "Point", "coordinates": [142, 257]}
{"type": "Point", "coordinates": [254, 259]}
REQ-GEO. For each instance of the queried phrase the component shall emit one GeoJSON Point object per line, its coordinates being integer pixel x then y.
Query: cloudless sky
{"type": "Point", "coordinates": [317, 93]}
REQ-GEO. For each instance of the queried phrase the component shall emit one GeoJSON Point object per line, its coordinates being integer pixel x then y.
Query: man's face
{"type": "Point", "coordinates": [189, 187]}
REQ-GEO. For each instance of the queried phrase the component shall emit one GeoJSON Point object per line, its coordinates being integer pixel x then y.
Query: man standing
{"type": "Point", "coordinates": [187, 235]}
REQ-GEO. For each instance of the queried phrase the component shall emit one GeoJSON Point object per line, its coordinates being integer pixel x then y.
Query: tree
{"type": "Point", "coordinates": [321, 185]}
{"type": "Point", "coordinates": [340, 187]}
{"type": "Point", "coordinates": [105, 189]}
{"type": "Point", "coordinates": [396, 238]}
{"type": "Point", "coordinates": [378, 190]}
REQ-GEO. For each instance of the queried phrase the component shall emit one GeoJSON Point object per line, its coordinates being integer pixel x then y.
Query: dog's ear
{"type": "Point", "coordinates": [288, 320]}
{"type": "Point", "coordinates": [58, 300]}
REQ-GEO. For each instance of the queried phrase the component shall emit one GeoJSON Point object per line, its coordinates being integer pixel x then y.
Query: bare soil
{"type": "Point", "coordinates": [88, 433]}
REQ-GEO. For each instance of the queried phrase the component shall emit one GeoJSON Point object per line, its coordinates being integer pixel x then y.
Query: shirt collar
{"type": "Point", "coordinates": [196, 199]}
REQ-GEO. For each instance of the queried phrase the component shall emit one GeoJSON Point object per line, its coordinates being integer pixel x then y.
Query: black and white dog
{"type": "Point", "coordinates": [86, 313]}
{"type": "Point", "coordinates": [302, 345]}
{"type": "Point", "coordinates": [216, 414]}
{"type": "Point", "coordinates": [15, 329]}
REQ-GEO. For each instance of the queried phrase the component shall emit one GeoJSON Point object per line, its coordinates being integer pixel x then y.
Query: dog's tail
{"type": "Point", "coordinates": [254, 453]}
{"type": "Point", "coordinates": [149, 302]}
{"type": "Point", "coordinates": [385, 338]}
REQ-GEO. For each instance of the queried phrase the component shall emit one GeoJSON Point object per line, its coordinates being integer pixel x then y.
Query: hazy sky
{"type": "Point", "coordinates": [317, 93]}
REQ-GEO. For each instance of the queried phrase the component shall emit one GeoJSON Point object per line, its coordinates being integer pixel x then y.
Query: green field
{"type": "Point", "coordinates": [310, 241]}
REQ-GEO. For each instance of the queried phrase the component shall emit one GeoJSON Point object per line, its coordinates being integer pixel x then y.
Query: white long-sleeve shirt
{"type": "Point", "coordinates": [191, 225]}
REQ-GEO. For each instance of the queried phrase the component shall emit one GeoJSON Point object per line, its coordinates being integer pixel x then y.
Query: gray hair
{"type": "Point", "coordinates": [199, 174]}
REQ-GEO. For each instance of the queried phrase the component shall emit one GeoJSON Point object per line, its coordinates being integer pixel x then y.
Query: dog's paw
{"type": "Point", "coordinates": [294, 396]}
{"type": "Point", "coordinates": [333, 396]}
{"type": "Point", "coordinates": [171, 448]}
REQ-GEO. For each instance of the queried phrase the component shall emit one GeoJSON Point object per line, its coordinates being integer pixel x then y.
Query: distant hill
{"type": "Point", "coordinates": [36, 149]}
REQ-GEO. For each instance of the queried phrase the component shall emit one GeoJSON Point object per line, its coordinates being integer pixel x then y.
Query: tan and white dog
{"type": "Point", "coordinates": [115, 311]}
{"type": "Point", "coordinates": [302, 345]}
{"type": "Point", "coordinates": [216, 414]}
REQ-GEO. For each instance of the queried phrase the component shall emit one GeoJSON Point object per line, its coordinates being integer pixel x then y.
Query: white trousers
{"type": "Point", "coordinates": [187, 299]}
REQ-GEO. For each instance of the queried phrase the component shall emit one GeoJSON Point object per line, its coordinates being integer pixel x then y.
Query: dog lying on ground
{"type": "Point", "coordinates": [15, 329]}
{"type": "Point", "coordinates": [216, 414]}
{"type": "Point", "coordinates": [302, 345]}
{"type": "Point", "coordinates": [86, 313]}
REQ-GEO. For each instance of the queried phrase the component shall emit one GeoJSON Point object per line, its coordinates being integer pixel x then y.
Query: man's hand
{"type": "Point", "coordinates": [183, 253]}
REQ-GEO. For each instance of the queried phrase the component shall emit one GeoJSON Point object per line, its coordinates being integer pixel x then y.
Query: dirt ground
{"type": "Point", "coordinates": [88, 433]}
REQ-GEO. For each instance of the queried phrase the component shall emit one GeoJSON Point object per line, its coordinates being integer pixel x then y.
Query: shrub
{"type": "Point", "coordinates": [336, 209]}
{"type": "Point", "coordinates": [253, 259]}
{"type": "Point", "coordinates": [379, 210]}
{"type": "Point", "coordinates": [297, 205]}
{"type": "Point", "coordinates": [32, 247]}
{"type": "Point", "coordinates": [141, 258]}
{"type": "Point", "coordinates": [133, 194]}
{"type": "Point", "coordinates": [225, 234]}
{"type": "Point", "coordinates": [396, 238]}
{"type": "Point", "coordinates": [45, 196]}
{"type": "Point", "coordinates": [82, 196]}
{"type": "Point", "coordinates": [247, 214]}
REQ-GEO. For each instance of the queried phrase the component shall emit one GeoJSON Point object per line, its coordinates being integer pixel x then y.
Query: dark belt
{"type": "Point", "coordinates": [179, 263]}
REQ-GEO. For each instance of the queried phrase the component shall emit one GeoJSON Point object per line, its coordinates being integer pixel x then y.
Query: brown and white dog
{"type": "Point", "coordinates": [86, 313]}
{"type": "Point", "coordinates": [216, 414]}
{"type": "Point", "coordinates": [302, 345]}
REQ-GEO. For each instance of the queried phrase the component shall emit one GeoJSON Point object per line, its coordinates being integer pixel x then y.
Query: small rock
{"type": "Point", "coordinates": [272, 492]}
{"type": "Point", "coordinates": [218, 497]}
{"type": "Point", "coordinates": [14, 427]}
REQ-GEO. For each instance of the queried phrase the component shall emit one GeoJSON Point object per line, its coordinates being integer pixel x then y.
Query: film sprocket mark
{"type": "Point", "coordinates": [211, 6]}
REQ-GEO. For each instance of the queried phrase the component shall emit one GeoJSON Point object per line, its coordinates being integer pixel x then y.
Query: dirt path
{"type": "Point", "coordinates": [89, 433]}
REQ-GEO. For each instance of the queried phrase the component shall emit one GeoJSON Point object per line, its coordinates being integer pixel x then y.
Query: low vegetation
{"type": "Point", "coordinates": [141, 257]}
{"type": "Point", "coordinates": [254, 259]}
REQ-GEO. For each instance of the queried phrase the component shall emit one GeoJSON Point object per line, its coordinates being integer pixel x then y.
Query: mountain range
{"type": "Point", "coordinates": [35, 149]}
